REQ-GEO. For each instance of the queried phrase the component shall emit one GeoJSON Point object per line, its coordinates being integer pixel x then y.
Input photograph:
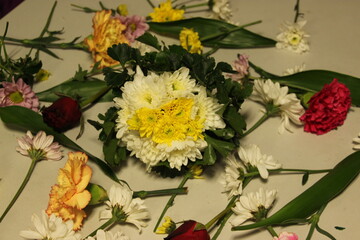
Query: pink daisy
{"type": "Point", "coordinates": [19, 94]}
{"type": "Point", "coordinates": [135, 26]}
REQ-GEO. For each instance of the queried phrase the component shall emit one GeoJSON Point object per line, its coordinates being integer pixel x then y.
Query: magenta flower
{"type": "Point", "coordinates": [135, 26]}
{"type": "Point", "coordinates": [19, 94]}
{"type": "Point", "coordinates": [241, 65]}
{"type": "Point", "coordinates": [286, 236]}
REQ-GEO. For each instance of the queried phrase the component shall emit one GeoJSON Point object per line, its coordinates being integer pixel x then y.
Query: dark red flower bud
{"type": "Point", "coordinates": [63, 114]}
{"type": "Point", "coordinates": [189, 230]}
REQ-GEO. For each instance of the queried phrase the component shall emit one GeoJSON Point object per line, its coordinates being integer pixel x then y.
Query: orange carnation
{"type": "Point", "coordinates": [108, 30]}
{"type": "Point", "coordinates": [69, 196]}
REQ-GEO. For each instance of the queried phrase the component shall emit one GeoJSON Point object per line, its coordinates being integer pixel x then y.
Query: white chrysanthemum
{"type": "Point", "coordinates": [251, 204]}
{"type": "Point", "coordinates": [132, 210]}
{"type": "Point", "coordinates": [268, 92]}
{"type": "Point", "coordinates": [356, 142]}
{"type": "Point", "coordinates": [295, 69]}
{"type": "Point", "coordinates": [251, 156]}
{"type": "Point", "coordinates": [163, 117]}
{"type": "Point", "coordinates": [234, 175]}
{"type": "Point", "coordinates": [40, 146]}
{"type": "Point", "coordinates": [293, 38]}
{"type": "Point", "coordinates": [51, 227]}
{"type": "Point", "coordinates": [220, 10]}
{"type": "Point", "coordinates": [106, 235]}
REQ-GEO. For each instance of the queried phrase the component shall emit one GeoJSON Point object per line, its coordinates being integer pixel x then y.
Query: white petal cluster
{"type": "Point", "coordinates": [295, 69]}
{"type": "Point", "coordinates": [152, 92]}
{"type": "Point", "coordinates": [51, 227]}
{"type": "Point", "coordinates": [40, 142]}
{"type": "Point", "coordinates": [252, 157]}
{"type": "Point", "coordinates": [134, 209]}
{"type": "Point", "coordinates": [105, 235]}
{"type": "Point", "coordinates": [233, 178]}
{"type": "Point", "coordinates": [221, 10]}
{"type": "Point", "coordinates": [356, 142]}
{"type": "Point", "coordinates": [252, 203]}
{"type": "Point", "coordinates": [293, 38]}
{"type": "Point", "coordinates": [268, 92]}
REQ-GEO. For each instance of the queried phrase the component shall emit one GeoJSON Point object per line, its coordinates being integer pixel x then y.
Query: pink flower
{"type": "Point", "coordinates": [286, 236]}
{"type": "Point", "coordinates": [135, 26]}
{"type": "Point", "coordinates": [19, 94]}
{"type": "Point", "coordinates": [241, 65]}
{"type": "Point", "coordinates": [327, 108]}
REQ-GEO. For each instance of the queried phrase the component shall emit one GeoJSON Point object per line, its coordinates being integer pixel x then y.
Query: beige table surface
{"type": "Point", "coordinates": [335, 33]}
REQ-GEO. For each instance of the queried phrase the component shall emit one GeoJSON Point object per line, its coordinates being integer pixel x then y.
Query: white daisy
{"type": "Point", "coordinates": [40, 147]}
{"type": "Point", "coordinates": [295, 69]}
{"type": "Point", "coordinates": [125, 207]}
{"type": "Point", "coordinates": [251, 156]}
{"type": "Point", "coordinates": [254, 205]}
{"type": "Point", "coordinates": [220, 9]}
{"type": "Point", "coordinates": [293, 38]}
{"type": "Point", "coordinates": [234, 175]}
{"type": "Point", "coordinates": [51, 227]}
{"type": "Point", "coordinates": [356, 142]}
{"type": "Point", "coordinates": [290, 108]}
{"type": "Point", "coordinates": [105, 235]}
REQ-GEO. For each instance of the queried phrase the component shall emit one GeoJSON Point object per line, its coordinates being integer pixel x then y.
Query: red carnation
{"type": "Point", "coordinates": [327, 108]}
{"type": "Point", "coordinates": [189, 230]}
{"type": "Point", "coordinates": [63, 114]}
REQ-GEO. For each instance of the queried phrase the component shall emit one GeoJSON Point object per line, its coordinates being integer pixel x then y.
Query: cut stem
{"type": "Point", "coordinates": [162, 192]}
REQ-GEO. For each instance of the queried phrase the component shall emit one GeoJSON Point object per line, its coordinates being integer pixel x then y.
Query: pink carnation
{"type": "Point", "coordinates": [135, 26]}
{"type": "Point", "coordinates": [327, 108]}
{"type": "Point", "coordinates": [241, 65]}
{"type": "Point", "coordinates": [19, 94]}
{"type": "Point", "coordinates": [286, 236]}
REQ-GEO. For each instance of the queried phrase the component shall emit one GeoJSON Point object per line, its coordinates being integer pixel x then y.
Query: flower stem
{"type": "Point", "coordinates": [22, 186]}
{"type": "Point", "coordinates": [171, 199]}
{"type": "Point", "coordinates": [271, 231]}
{"type": "Point", "coordinates": [257, 124]}
{"type": "Point", "coordinates": [209, 224]}
{"type": "Point", "coordinates": [108, 223]}
{"type": "Point", "coordinates": [191, 6]}
{"type": "Point", "coordinates": [162, 192]}
{"type": "Point", "coordinates": [290, 170]}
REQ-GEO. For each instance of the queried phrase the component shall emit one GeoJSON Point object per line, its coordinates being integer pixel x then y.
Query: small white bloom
{"type": "Point", "coordinates": [356, 142]}
{"type": "Point", "coordinates": [234, 174]}
{"type": "Point", "coordinates": [295, 69]}
{"type": "Point", "coordinates": [251, 156]}
{"type": "Point", "coordinates": [51, 227]}
{"type": "Point", "coordinates": [41, 146]}
{"type": "Point", "coordinates": [293, 38]}
{"type": "Point", "coordinates": [105, 235]}
{"type": "Point", "coordinates": [134, 210]}
{"type": "Point", "coordinates": [251, 204]}
{"type": "Point", "coordinates": [220, 9]}
{"type": "Point", "coordinates": [268, 92]}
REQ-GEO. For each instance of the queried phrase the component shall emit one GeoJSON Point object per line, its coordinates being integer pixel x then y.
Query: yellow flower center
{"type": "Point", "coordinates": [16, 97]}
{"type": "Point", "coordinates": [294, 39]}
{"type": "Point", "coordinates": [173, 121]}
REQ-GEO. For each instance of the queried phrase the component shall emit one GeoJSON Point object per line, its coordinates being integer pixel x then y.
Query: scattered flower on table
{"type": "Point", "coordinates": [50, 227]}
{"type": "Point", "coordinates": [165, 13]}
{"type": "Point", "coordinates": [63, 114]}
{"type": "Point", "coordinates": [327, 109]}
{"type": "Point", "coordinates": [190, 229]}
{"type": "Point", "coordinates": [252, 157]}
{"type": "Point", "coordinates": [234, 176]}
{"type": "Point", "coordinates": [356, 142]}
{"type": "Point", "coordinates": [18, 93]}
{"type": "Point", "coordinates": [189, 40]}
{"type": "Point", "coordinates": [253, 206]}
{"type": "Point", "coordinates": [295, 69]}
{"type": "Point", "coordinates": [122, 10]}
{"type": "Point", "coordinates": [106, 235]}
{"type": "Point", "coordinates": [126, 208]}
{"type": "Point", "coordinates": [69, 196]}
{"type": "Point", "coordinates": [220, 9]}
{"type": "Point", "coordinates": [136, 26]}
{"type": "Point", "coordinates": [268, 92]}
{"type": "Point", "coordinates": [293, 38]}
{"type": "Point", "coordinates": [241, 65]}
{"type": "Point", "coordinates": [286, 236]}
{"type": "Point", "coordinates": [42, 75]}
{"type": "Point", "coordinates": [168, 226]}
{"type": "Point", "coordinates": [163, 117]}
{"type": "Point", "coordinates": [39, 146]}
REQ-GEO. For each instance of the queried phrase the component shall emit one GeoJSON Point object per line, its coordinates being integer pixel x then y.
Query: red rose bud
{"type": "Point", "coordinates": [63, 114]}
{"type": "Point", "coordinates": [189, 230]}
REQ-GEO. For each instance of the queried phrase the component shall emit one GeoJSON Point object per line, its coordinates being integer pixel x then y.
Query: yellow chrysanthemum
{"type": "Point", "coordinates": [69, 196]}
{"type": "Point", "coordinates": [165, 13]}
{"type": "Point", "coordinates": [190, 40]}
{"type": "Point", "coordinates": [108, 31]}
{"type": "Point", "coordinates": [167, 227]}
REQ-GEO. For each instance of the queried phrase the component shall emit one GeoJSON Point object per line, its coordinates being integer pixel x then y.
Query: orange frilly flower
{"type": "Point", "coordinates": [108, 30]}
{"type": "Point", "coordinates": [69, 196]}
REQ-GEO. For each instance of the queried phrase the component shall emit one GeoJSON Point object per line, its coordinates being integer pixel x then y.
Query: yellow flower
{"type": "Point", "coordinates": [166, 13]}
{"type": "Point", "coordinates": [69, 196]}
{"type": "Point", "coordinates": [167, 227]}
{"type": "Point", "coordinates": [122, 10]}
{"type": "Point", "coordinates": [108, 31]}
{"type": "Point", "coordinates": [42, 75]}
{"type": "Point", "coordinates": [190, 40]}
{"type": "Point", "coordinates": [196, 171]}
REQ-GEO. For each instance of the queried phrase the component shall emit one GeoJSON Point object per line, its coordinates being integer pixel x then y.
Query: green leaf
{"type": "Point", "coordinates": [241, 38]}
{"type": "Point", "coordinates": [209, 155]}
{"type": "Point", "coordinates": [319, 194]}
{"type": "Point", "coordinates": [223, 147]}
{"type": "Point", "coordinates": [27, 119]}
{"type": "Point", "coordinates": [150, 40]}
{"type": "Point", "coordinates": [123, 53]}
{"type": "Point", "coordinates": [82, 89]}
{"type": "Point", "coordinates": [235, 119]}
